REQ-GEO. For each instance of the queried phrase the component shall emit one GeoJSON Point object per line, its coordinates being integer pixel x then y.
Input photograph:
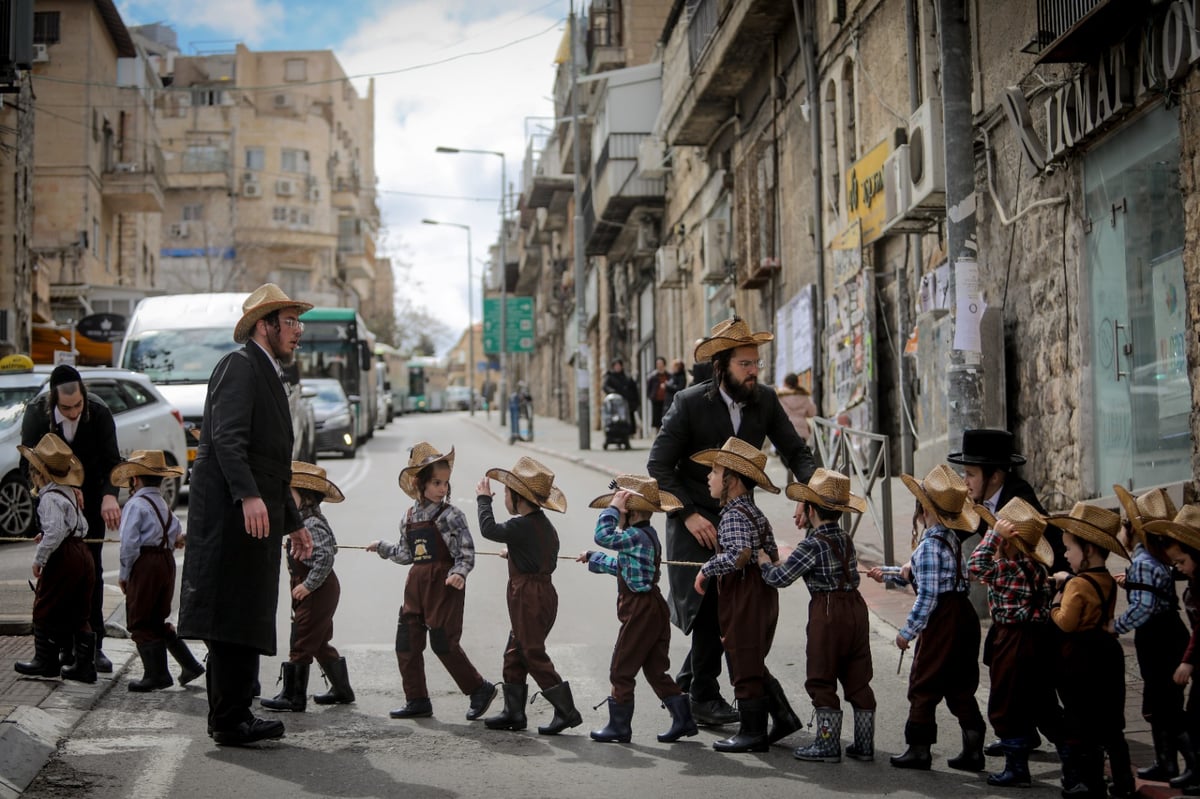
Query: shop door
{"type": "Point", "coordinates": [1134, 238]}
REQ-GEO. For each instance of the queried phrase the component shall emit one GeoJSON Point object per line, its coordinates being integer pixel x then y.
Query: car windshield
{"type": "Point", "coordinates": [329, 394]}
{"type": "Point", "coordinates": [179, 356]}
{"type": "Point", "coordinates": [12, 404]}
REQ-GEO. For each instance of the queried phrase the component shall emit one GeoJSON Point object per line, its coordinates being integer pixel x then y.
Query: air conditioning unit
{"type": "Point", "coordinates": [285, 187]}
{"type": "Point", "coordinates": [716, 250]}
{"type": "Point", "coordinates": [927, 160]}
{"type": "Point", "coordinates": [283, 100]}
{"type": "Point", "coordinates": [314, 192]}
{"type": "Point", "coordinates": [897, 194]}
{"type": "Point", "coordinates": [179, 230]}
{"type": "Point", "coordinates": [41, 53]}
{"type": "Point", "coordinates": [652, 157]}
{"type": "Point", "coordinates": [252, 188]}
{"type": "Point", "coordinates": [666, 268]}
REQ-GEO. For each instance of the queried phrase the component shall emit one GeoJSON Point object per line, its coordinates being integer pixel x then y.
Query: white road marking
{"type": "Point", "coordinates": [158, 775]}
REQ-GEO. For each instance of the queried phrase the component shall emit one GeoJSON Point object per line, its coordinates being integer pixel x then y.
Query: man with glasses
{"type": "Point", "coordinates": [703, 416]}
{"type": "Point", "coordinates": [239, 509]}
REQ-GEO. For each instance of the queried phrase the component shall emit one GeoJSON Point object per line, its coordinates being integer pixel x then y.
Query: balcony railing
{"type": "Point", "coordinates": [702, 24]}
{"type": "Point", "coordinates": [1074, 31]}
{"type": "Point", "coordinates": [1056, 17]}
{"type": "Point", "coordinates": [604, 26]}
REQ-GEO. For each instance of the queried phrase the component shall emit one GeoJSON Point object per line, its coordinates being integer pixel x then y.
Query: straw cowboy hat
{"type": "Point", "coordinates": [728, 335]}
{"type": "Point", "coordinates": [53, 460]}
{"type": "Point", "coordinates": [1093, 524]}
{"type": "Point", "coordinates": [644, 494]}
{"type": "Point", "coordinates": [1151, 506]}
{"type": "Point", "coordinates": [263, 300]}
{"type": "Point", "coordinates": [830, 490]}
{"type": "Point", "coordinates": [1030, 527]}
{"type": "Point", "coordinates": [533, 481]}
{"type": "Point", "coordinates": [420, 456]}
{"type": "Point", "coordinates": [312, 477]}
{"type": "Point", "coordinates": [149, 462]}
{"type": "Point", "coordinates": [987, 447]}
{"type": "Point", "coordinates": [943, 494]}
{"type": "Point", "coordinates": [745, 459]}
{"type": "Point", "coordinates": [1184, 528]}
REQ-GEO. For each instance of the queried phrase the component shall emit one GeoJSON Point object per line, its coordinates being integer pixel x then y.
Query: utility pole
{"type": "Point", "coordinates": [964, 375]}
{"type": "Point", "coordinates": [583, 371]}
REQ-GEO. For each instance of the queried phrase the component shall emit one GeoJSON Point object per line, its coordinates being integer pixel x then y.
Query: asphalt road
{"type": "Point", "coordinates": [138, 745]}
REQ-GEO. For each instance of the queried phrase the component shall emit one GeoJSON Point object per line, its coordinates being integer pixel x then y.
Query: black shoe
{"type": "Point", "coordinates": [714, 712]}
{"type": "Point", "coordinates": [916, 757]}
{"type": "Point", "coordinates": [481, 700]}
{"type": "Point", "coordinates": [248, 732]}
{"type": "Point", "coordinates": [414, 709]}
{"type": "Point", "coordinates": [103, 664]}
{"type": "Point", "coordinates": [996, 747]}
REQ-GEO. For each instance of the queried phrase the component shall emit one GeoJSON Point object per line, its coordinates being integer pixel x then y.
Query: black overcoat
{"type": "Point", "coordinates": [697, 420]}
{"type": "Point", "coordinates": [230, 586]}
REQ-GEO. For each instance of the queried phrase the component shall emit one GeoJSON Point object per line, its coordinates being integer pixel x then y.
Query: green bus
{"type": "Point", "coordinates": [337, 344]}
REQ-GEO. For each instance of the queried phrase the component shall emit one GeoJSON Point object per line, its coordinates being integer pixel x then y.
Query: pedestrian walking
{"type": "Point", "coordinates": [798, 403]}
{"type": "Point", "coordinates": [657, 390]}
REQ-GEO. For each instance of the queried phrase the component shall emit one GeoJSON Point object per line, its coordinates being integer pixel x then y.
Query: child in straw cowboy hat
{"type": "Point", "coordinates": [532, 601]}
{"type": "Point", "coordinates": [62, 565]}
{"type": "Point", "coordinates": [1182, 549]}
{"type": "Point", "coordinates": [946, 662]}
{"type": "Point", "coordinates": [435, 539]}
{"type": "Point", "coordinates": [1012, 561]}
{"type": "Point", "coordinates": [643, 642]}
{"type": "Point", "coordinates": [1091, 667]}
{"type": "Point", "coordinates": [150, 534]}
{"type": "Point", "coordinates": [1159, 635]}
{"type": "Point", "coordinates": [315, 592]}
{"type": "Point", "coordinates": [838, 636]}
{"type": "Point", "coordinates": [747, 608]}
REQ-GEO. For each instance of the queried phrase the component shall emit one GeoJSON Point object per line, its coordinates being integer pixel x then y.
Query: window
{"type": "Point", "coordinates": [279, 213]}
{"type": "Point", "coordinates": [45, 27]}
{"type": "Point", "coordinates": [204, 96]}
{"type": "Point", "coordinates": [294, 282]}
{"type": "Point", "coordinates": [294, 161]}
{"type": "Point", "coordinates": [95, 237]}
{"type": "Point", "coordinates": [111, 395]}
{"type": "Point", "coordinates": [134, 394]}
{"type": "Point", "coordinates": [295, 69]}
{"type": "Point", "coordinates": [256, 158]}
{"type": "Point", "coordinates": [205, 158]}
{"type": "Point", "coordinates": [193, 212]}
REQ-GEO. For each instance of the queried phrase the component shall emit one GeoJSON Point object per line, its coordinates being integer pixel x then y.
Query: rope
{"type": "Point", "coordinates": [19, 539]}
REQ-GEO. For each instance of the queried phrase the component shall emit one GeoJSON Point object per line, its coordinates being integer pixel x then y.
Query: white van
{"type": "Point", "coordinates": [178, 341]}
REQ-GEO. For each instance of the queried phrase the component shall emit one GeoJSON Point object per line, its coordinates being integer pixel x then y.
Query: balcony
{"type": "Point", "coordinates": [605, 41]}
{"type": "Point", "coordinates": [355, 248]}
{"type": "Point", "coordinates": [545, 187]}
{"type": "Point", "coordinates": [346, 194]}
{"type": "Point", "coordinates": [529, 264]}
{"type": "Point", "coordinates": [131, 187]}
{"type": "Point", "coordinates": [725, 46]}
{"type": "Point", "coordinates": [1077, 31]}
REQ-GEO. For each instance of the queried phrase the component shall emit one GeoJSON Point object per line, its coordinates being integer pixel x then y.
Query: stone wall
{"type": "Point", "coordinates": [1189, 184]}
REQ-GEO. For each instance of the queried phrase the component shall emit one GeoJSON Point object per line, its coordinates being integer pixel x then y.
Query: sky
{"type": "Point", "coordinates": [484, 101]}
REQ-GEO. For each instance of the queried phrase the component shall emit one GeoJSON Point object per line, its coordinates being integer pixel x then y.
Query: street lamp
{"type": "Point", "coordinates": [470, 310]}
{"type": "Point", "coordinates": [503, 394]}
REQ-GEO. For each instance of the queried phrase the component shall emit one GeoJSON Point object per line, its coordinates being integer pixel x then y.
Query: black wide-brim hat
{"type": "Point", "coordinates": [987, 447]}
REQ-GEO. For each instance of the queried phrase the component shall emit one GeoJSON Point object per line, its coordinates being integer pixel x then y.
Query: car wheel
{"type": "Point", "coordinates": [350, 453]}
{"type": "Point", "coordinates": [170, 488]}
{"type": "Point", "coordinates": [17, 508]}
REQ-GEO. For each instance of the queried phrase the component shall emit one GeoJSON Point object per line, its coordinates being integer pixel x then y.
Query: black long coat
{"type": "Point", "coordinates": [699, 421]}
{"type": "Point", "coordinates": [230, 587]}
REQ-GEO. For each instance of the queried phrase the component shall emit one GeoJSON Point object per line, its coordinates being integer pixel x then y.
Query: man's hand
{"type": "Point", "coordinates": [300, 592]}
{"type": "Point", "coordinates": [699, 583]}
{"type": "Point", "coordinates": [111, 512]}
{"type": "Point", "coordinates": [258, 521]}
{"type": "Point", "coordinates": [301, 543]}
{"type": "Point", "coordinates": [122, 584]}
{"type": "Point", "coordinates": [702, 530]}
{"type": "Point", "coordinates": [901, 643]}
{"type": "Point", "coordinates": [456, 581]}
{"type": "Point", "coordinates": [484, 488]}
{"type": "Point", "coordinates": [37, 571]}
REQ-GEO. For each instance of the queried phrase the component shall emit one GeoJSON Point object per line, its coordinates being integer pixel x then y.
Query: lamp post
{"type": "Point", "coordinates": [470, 310]}
{"type": "Point", "coordinates": [503, 393]}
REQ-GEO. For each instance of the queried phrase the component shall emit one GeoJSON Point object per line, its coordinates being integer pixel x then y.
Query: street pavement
{"type": "Point", "coordinates": [37, 715]}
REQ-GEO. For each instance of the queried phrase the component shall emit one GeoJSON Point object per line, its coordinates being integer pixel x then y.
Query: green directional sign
{"type": "Point", "coordinates": [518, 322]}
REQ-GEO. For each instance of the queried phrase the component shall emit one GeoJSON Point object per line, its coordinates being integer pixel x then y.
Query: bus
{"type": "Point", "coordinates": [427, 379]}
{"type": "Point", "coordinates": [336, 343]}
{"type": "Point", "coordinates": [396, 368]}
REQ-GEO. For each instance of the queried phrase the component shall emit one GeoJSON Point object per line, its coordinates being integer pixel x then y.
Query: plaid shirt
{"type": "Point", "coordinates": [818, 559]}
{"type": "Point", "coordinates": [324, 547]}
{"type": "Point", "coordinates": [452, 525]}
{"type": "Point", "coordinates": [735, 532]}
{"type": "Point", "coordinates": [637, 550]}
{"type": "Point", "coordinates": [936, 569]}
{"type": "Point", "coordinates": [1143, 604]}
{"type": "Point", "coordinates": [1018, 587]}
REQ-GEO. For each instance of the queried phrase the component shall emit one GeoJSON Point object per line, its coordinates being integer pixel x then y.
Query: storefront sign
{"type": "Point", "coordinates": [864, 192]}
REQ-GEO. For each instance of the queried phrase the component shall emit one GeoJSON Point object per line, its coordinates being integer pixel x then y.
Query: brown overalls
{"type": "Point", "coordinates": [63, 601]}
{"type": "Point", "coordinates": [312, 617]}
{"type": "Point", "coordinates": [838, 646]}
{"type": "Point", "coordinates": [644, 640]}
{"type": "Point", "coordinates": [1091, 675]}
{"type": "Point", "coordinates": [151, 587]}
{"type": "Point", "coordinates": [532, 609]}
{"type": "Point", "coordinates": [748, 610]}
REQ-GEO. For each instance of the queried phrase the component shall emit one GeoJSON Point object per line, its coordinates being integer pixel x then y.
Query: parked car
{"type": "Point", "coordinates": [334, 416]}
{"type": "Point", "coordinates": [144, 419]}
{"type": "Point", "coordinates": [458, 398]}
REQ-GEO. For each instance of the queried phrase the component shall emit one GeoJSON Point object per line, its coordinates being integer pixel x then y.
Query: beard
{"type": "Point", "coordinates": [738, 390]}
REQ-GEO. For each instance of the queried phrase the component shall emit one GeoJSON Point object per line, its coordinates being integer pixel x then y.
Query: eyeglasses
{"type": "Point", "coordinates": [295, 324]}
{"type": "Point", "coordinates": [750, 364]}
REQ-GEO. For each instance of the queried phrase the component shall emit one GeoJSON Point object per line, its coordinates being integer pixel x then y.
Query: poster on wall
{"type": "Point", "coordinates": [1166, 376]}
{"type": "Point", "coordinates": [794, 338]}
{"type": "Point", "coordinates": [849, 335]}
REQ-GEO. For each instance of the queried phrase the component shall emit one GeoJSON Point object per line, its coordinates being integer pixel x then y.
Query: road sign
{"type": "Point", "coordinates": [518, 321]}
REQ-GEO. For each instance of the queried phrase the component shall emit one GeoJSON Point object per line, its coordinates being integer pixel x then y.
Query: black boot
{"type": "Point", "coordinates": [420, 708]}
{"type": "Point", "coordinates": [189, 667]}
{"type": "Point", "coordinates": [565, 714]}
{"type": "Point", "coordinates": [45, 657]}
{"type": "Point", "coordinates": [915, 757]}
{"type": "Point", "coordinates": [103, 664]}
{"type": "Point", "coordinates": [481, 699]}
{"type": "Point", "coordinates": [512, 717]}
{"type": "Point", "coordinates": [752, 735]}
{"type": "Point", "coordinates": [784, 720]}
{"type": "Point", "coordinates": [1166, 761]}
{"type": "Point", "coordinates": [1016, 766]}
{"type": "Point", "coordinates": [294, 695]}
{"type": "Point", "coordinates": [863, 747]}
{"type": "Point", "coordinates": [84, 669]}
{"type": "Point", "coordinates": [1189, 777]}
{"type": "Point", "coordinates": [619, 728]}
{"type": "Point", "coordinates": [154, 668]}
{"type": "Point", "coordinates": [682, 723]}
{"type": "Point", "coordinates": [971, 757]}
{"type": "Point", "coordinates": [340, 692]}
{"type": "Point", "coordinates": [1123, 785]}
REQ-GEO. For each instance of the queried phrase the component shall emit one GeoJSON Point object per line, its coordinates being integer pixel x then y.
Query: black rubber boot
{"type": "Point", "coordinates": [916, 757]}
{"type": "Point", "coordinates": [340, 692]}
{"type": "Point", "coordinates": [45, 661]}
{"type": "Point", "coordinates": [619, 728]}
{"type": "Point", "coordinates": [1016, 769]}
{"type": "Point", "coordinates": [1123, 785]}
{"type": "Point", "coordinates": [682, 723]}
{"type": "Point", "coordinates": [565, 713]}
{"type": "Point", "coordinates": [294, 695]}
{"type": "Point", "coordinates": [103, 664]}
{"type": "Point", "coordinates": [84, 669]}
{"type": "Point", "coordinates": [189, 667]}
{"type": "Point", "coordinates": [784, 720]}
{"type": "Point", "coordinates": [1189, 777]}
{"type": "Point", "coordinates": [414, 709]}
{"type": "Point", "coordinates": [154, 668]}
{"type": "Point", "coordinates": [863, 747]}
{"type": "Point", "coordinates": [481, 699]}
{"type": "Point", "coordinates": [971, 757]}
{"type": "Point", "coordinates": [512, 717]}
{"type": "Point", "coordinates": [1166, 760]}
{"type": "Point", "coordinates": [752, 735]}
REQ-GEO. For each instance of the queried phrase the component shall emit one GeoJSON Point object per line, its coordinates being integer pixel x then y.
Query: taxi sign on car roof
{"type": "Point", "coordinates": [16, 363]}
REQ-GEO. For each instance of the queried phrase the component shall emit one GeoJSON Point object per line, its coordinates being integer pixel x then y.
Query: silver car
{"type": "Point", "coordinates": [144, 420]}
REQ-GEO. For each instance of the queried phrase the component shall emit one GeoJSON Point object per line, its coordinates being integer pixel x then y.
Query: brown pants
{"type": "Point", "coordinates": [1021, 700]}
{"type": "Point", "coordinates": [643, 643]}
{"type": "Point", "coordinates": [839, 650]}
{"type": "Point", "coordinates": [63, 602]}
{"type": "Point", "coordinates": [148, 594]}
{"type": "Point", "coordinates": [748, 610]}
{"type": "Point", "coordinates": [430, 605]}
{"type": "Point", "coordinates": [312, 618]}
{"type": "Point", "coordinates": [532, 609]}
{"type": "Point", "coordinates": [945, 666]}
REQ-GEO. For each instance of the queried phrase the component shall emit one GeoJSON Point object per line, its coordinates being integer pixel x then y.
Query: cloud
{"type": "Point", "coordinates": [248, 21]}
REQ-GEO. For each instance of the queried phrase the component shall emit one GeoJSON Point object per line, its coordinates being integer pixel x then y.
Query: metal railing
{"type": "Point", "coordinates": [864, 458]}
{"type": "Point", "coordinates": [702, 25]}
{"type": "Point", "coordinates": [1056, 17]}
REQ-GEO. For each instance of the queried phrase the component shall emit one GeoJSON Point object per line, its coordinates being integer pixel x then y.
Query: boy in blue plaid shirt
{"type": "Point", "coordinates": [644, 639]}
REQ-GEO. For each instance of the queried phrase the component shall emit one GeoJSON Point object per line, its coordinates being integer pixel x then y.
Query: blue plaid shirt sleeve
{"type": "Point", "coordinates": [803, 560]}
{"type": "Point", "coordinates": [600, 563]}
{"type": "Point", "coordinates": [734, 533]}
{"type": "Point", "coordinates": [929, 569]}
{"type": "Point", "coordinates": [1142, 603]}
{"type": "Point", "coordinates": [635, 551]}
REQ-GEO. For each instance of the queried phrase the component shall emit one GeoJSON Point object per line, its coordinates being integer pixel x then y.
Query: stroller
{"type": "Point", "coordinates": [617, 424]}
